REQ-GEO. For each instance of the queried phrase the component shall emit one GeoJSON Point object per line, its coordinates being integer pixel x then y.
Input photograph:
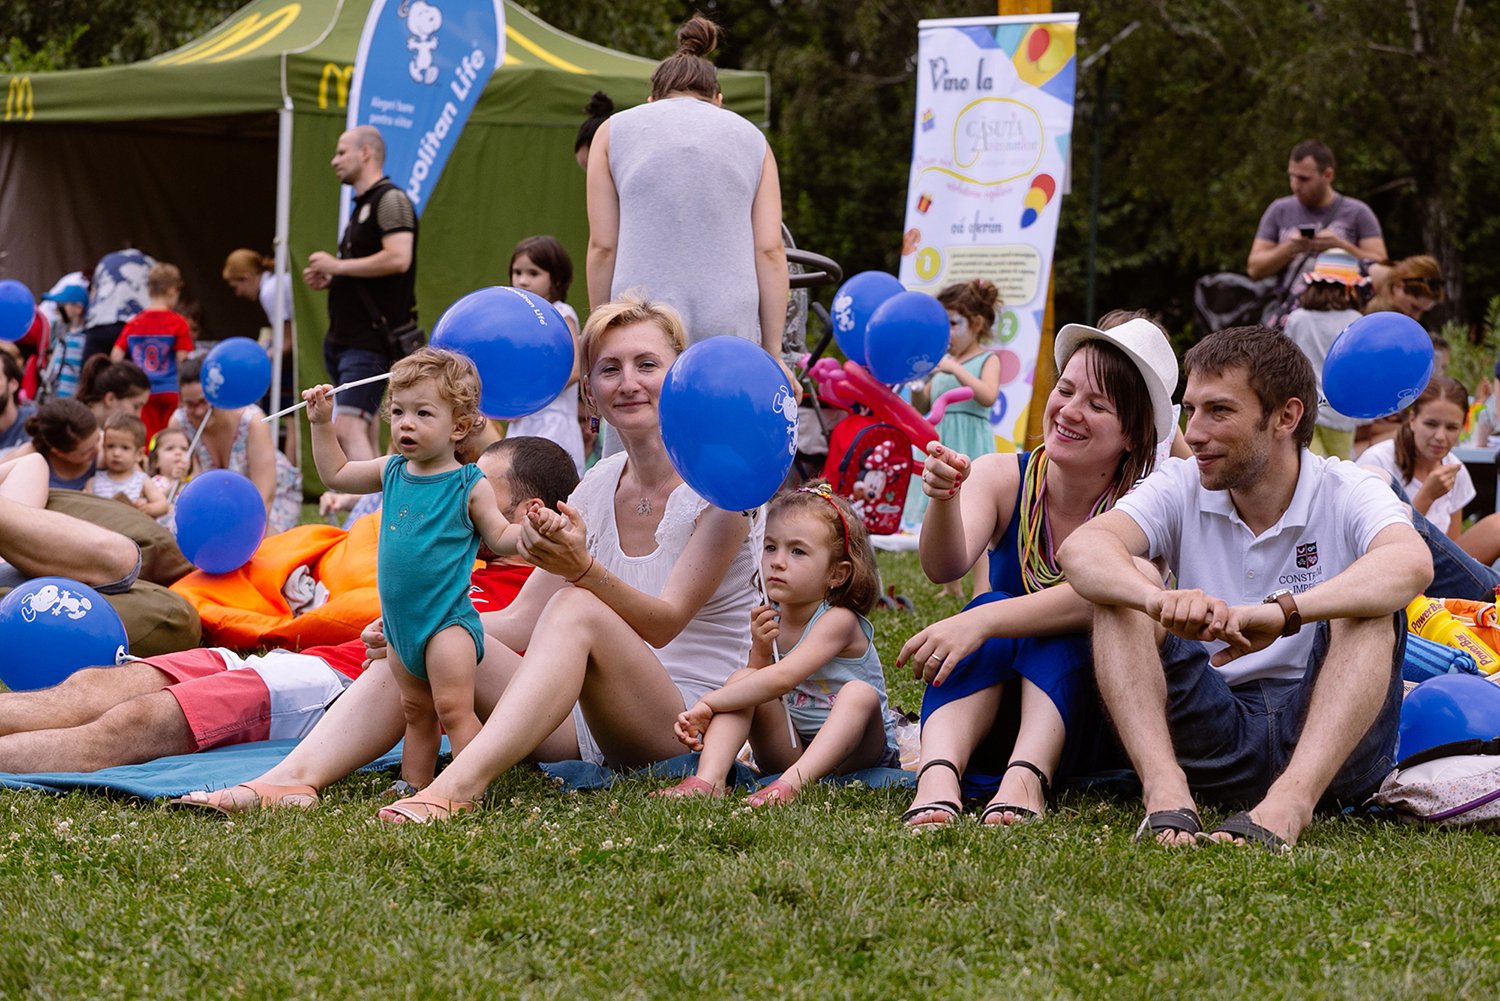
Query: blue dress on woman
{"type": "Point", "coordinates": [1061, 666]}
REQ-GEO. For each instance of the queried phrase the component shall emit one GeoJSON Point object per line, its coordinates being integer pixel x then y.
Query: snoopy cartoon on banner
{"type": "Point", "coordinates": [423, 21]}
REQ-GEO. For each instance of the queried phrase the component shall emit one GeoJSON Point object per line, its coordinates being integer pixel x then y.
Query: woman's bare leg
{"type": "Point", "coordinates": [581, 652]}
{"type": "Point", "coordinates": [951, 733]}
{"type": "Point", "coordinates": [1039, 741]}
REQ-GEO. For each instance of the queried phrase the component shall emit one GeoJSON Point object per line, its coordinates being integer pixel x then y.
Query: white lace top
{"type": "Point", "coordinates": [717, 640]}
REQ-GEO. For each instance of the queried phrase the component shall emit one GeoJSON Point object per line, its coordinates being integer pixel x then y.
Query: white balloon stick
{"type": "Point", "coordinates": [336, 391]}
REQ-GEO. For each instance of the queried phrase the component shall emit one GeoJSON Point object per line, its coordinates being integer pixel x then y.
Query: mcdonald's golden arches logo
{"type": "Point", "coordinates": [20, 100]}
{"type": "Point", "coordinates": [237, 38]}
{"type": "Point", "coordinates": [341, 76]}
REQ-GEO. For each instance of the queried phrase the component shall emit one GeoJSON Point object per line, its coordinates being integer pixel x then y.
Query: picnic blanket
{"type": "Point", "coordinates": [223, 767]}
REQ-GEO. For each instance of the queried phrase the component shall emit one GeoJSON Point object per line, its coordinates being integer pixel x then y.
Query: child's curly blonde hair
{"type": "Point", "coordinates": [457, 381]}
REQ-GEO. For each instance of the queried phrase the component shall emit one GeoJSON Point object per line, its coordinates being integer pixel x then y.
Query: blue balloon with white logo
{"type": "Point", "coordinates": [729, 422]}
{"type": "Point", "coordinates": [1445, 709]}
{"type": "Point", "coordinates": [236, 373]}
{"type": "Point", "coordinates": [221, 519]}
{"type": "Point", "coordinates": [519, 343]}
{"type": "Point", "coordinates": [853, 304]}
{"type": "Point", "coordinates": [51, 627]}
{"type": "Point", "coordinates": [17, 309]}
{"type": "Point", "coordinates": [906, 337]}
{"type": "Point", "coordinates": [1379, 365]}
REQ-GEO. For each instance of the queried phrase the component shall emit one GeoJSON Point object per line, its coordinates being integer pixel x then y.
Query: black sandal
{"type": "Point", "coordinates": [1183, 821]}
{"type": "Point", "coordinates": [1026, 813]}
{"type": "Point", "coordinates": [952, 809]}
{"type": "Point", "coordinates": [1248, 832]}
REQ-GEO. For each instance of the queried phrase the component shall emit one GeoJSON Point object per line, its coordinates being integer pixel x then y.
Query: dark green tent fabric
{"type": "Point", "coordinates": [178, 156]}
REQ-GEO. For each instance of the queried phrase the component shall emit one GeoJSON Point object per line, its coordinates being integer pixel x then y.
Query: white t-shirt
{"type": "Point", "coordinates": [716, 641]}
{"type": "Point", "coordinates": [558, 420]}
{"type": "Point", "coordinates": [1337, 510]}
{"type": "Point", "coordinates": [267, 295]}
{"type": "Point", "coordinates": [1382, 455]}
{"type": "Point", "coordinates": [1314, 331]}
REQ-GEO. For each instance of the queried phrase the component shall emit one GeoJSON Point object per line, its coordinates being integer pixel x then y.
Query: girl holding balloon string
{"type": "Point", "coordinates": [965, 427]}
{"type": "Point", "coordinates": [437, 509]}
{"type": "Point", "coordinates": [821, 706]}
{"type": "Point", "coordinates": [541, 266]}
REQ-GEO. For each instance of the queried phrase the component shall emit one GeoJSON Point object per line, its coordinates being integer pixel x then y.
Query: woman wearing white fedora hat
{"type": "Point", "coordinates": [1008, 704]}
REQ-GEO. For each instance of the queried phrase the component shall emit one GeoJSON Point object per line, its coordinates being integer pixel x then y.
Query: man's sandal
{"type": "Point", "coordinates": [1023, 814]}
{"type": "Point", "coordinates": [420, 809]}
{"type": "Point", "coordinates": [1183, 821]}
{"type": "Point", "coordinates": [947, 806]}
{"type": "Point", "coordinates": [262, 796]}
{"type": "Point", "coordinates": [1247, 832]}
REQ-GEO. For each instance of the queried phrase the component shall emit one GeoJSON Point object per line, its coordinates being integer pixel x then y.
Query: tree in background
{"type": "Point", "coordinates": [1202, 103]}
{"type": "Point", "coordinates": [1195, 110]}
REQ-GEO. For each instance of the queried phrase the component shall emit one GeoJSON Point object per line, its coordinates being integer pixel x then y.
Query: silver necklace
{"type": "Point", "coordinates": [643, 506]}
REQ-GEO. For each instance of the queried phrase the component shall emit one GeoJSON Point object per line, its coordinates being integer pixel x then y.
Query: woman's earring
{"type": "Point", "coordinates": [593, 424]}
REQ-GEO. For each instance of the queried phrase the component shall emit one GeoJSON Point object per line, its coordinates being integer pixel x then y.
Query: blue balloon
{"type": "Point", "coordinates": [519, 343]}
{"type": "Point", "coordinates": [17, 309]}
{"type": "Point", "coordinates": [853, 304]}
{"type": "Point", "coordinates": [51, 627]}
{"type": "Point", "coordinates": [729, 421]}
{"type": "Point", "coordinates": [1380, 364]}
{"type": "Point", "coordinates": [236, 373]}
{"type": "Point", "coordinates": [906, 337]}
{"type": "Point", "coordinates": [220, 520]}
{"type": "Point", "coordinates": [1447, 708]}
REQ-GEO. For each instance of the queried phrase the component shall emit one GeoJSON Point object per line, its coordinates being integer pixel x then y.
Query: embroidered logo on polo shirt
{"type": "Point", "coordinates": [1307, 556]}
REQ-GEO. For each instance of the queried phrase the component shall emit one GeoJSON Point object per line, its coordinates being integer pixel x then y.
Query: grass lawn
{"type": "Point", "coordinates": [610, 894]}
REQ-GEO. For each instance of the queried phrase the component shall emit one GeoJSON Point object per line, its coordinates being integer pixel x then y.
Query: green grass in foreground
{"type": "Point", "coordinates": [611, 894]}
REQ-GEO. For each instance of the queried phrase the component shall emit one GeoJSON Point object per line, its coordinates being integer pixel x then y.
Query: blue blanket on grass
{"type": "Point", "coordinates": [223, 767]}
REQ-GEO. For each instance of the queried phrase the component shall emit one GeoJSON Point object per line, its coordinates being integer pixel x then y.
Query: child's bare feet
{"type": "Point", "coordinates": [690, 786]}
{"type": "Point", "coordinates": [778, 793]}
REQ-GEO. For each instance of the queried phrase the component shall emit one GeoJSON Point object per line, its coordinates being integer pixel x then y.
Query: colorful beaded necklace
{"type": "Point", "coordinates": [1034, 540]}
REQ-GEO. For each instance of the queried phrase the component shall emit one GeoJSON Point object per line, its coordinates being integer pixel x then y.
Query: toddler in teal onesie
{"type": "Point", "coordinates": [434, 512]}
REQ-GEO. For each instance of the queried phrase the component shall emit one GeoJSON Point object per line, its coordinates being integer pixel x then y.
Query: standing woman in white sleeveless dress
{"type": "Point", "coordinates": [684, 204]}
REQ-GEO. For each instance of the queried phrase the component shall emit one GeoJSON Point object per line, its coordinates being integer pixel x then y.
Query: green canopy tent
{"type": "Point", "coordinates": [225, 143]}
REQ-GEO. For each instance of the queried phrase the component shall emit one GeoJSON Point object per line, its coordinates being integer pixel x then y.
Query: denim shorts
{"type": "Point", "coordinates": [1234, 742]}
{"type": "Point", "coordinates": [349, 365]}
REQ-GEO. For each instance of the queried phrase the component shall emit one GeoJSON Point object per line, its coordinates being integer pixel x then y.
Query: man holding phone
{"type": "Point", "coordinates": [1312, 219]}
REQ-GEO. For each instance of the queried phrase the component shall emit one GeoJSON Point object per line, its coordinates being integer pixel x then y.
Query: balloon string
{"type": "Point", "coordinates": [336, 391]}
{"type": "Point", "coordinates": [192, 454]}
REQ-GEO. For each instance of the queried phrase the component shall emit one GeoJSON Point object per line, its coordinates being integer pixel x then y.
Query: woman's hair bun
{"type": "Point", "coordinates": [599, 106]}
{"type": "Point", "coordinates": [698, 36]}
{"type": "Point", "coordinates": [986, 291]}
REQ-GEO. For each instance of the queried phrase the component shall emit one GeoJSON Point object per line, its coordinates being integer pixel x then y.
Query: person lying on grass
{"type": "Point", "coordinates": [820, 706]}
{"type": "Point", "coordinates": [195, 700]}
{"type": "Point", "coordinates": [1217, 691]}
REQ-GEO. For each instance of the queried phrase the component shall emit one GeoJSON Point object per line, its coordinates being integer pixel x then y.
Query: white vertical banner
{"type": "Point", "coordinates": [994, 119]}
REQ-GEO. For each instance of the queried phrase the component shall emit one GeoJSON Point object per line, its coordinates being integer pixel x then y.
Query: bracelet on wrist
{"type": "Point", "coordinates": [585, 573]}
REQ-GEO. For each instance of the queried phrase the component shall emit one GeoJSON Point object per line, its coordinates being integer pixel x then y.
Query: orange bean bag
{"type": "Point", "coordinates": [245, 609]}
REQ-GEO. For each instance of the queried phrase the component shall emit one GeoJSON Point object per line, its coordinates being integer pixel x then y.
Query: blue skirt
{"type": "Point", "coordinates": [1062, 666]}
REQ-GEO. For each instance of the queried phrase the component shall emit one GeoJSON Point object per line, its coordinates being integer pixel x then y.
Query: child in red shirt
{"type": "Point", "coordinates": [158, 340]}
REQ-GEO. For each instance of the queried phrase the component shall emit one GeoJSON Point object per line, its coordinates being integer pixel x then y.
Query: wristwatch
{"type": "Point", "coordinates": [1288, 608]}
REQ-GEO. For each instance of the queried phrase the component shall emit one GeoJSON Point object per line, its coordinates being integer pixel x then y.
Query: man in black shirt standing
{"type": "Point", "coordinates": [371, 286]}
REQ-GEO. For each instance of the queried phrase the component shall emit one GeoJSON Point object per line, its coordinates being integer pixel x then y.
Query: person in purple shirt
{"type": "Point", "coordinates": [1296, 228]}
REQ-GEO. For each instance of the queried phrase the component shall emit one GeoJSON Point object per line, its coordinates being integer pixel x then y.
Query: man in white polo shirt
{"type": "Point", "coordinates": [1271, 678]}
